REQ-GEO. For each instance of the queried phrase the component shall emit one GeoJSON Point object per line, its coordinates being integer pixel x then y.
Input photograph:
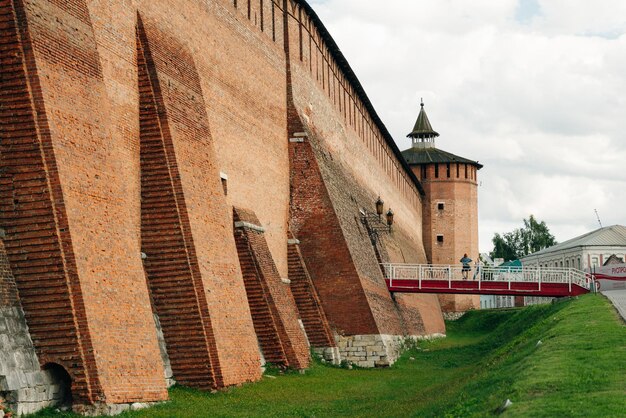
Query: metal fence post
{"type": "Point", "coordinates": [508, 277]}
{"type": "Point", "coordinates": [539, 281]}
{"type": "Point", "coordinates": [419, 277]}
{"type": "Point", "coordinates": [570, 281]}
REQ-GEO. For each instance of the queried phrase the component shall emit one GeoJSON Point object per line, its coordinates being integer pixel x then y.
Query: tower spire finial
{"type": "Point", "coordinates": [422, 131]}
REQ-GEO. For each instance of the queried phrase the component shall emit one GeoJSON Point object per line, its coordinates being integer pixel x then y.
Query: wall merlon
{"type": "Point", "coordinates": [333, 64]}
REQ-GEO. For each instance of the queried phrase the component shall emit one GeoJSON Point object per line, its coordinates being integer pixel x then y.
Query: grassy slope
{"type": "Point", "coordinates": [579, 369]}
{"type": "Point", "coordinates": [489, 356]}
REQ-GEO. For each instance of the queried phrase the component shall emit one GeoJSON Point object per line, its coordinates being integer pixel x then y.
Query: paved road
{"type": "Point", "coordinates": [618, 297]}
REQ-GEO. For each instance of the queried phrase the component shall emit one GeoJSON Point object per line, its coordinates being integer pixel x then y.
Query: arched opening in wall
{"type": "Point", "coordinates": [61, 382]}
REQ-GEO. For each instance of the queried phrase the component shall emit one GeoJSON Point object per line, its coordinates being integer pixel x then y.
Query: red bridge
{"type": "Point", "coordinates": [515, 281]}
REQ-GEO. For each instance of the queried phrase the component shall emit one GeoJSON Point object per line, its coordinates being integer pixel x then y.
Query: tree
{"type": "Point", "coordinates": [532, 237]}
{"type": "Point", "coordinates": [504, 246]}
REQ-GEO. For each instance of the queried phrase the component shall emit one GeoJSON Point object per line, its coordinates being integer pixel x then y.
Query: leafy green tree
{"type": "Point", "coordinates": [532, 237]}
{"type": "Point", "coordinates": [504, 246]}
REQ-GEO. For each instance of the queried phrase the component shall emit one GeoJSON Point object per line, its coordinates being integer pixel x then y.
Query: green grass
{"type": "Point", "coordinates": [488, 356]}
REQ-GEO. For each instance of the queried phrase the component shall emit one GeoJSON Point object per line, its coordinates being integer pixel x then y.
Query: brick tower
{"type": "Point", "coordinates": [450, 207]}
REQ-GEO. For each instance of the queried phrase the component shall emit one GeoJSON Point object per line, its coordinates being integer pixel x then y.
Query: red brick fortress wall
{"type": "Point", "coordinates": [75, 264]}
{"type": "Point", "coordinates": [135, 127]}
{"type": "Point", "coordinates": [201, 207]}
{"type": "Point", "coordinates": [274, 312]}
{"type": "Point", "coordinates": [171, 264]}
{"type": "Point", "coordinates": [341, 160]}
{"type": "Point", "coordinates": [78, 167]}
{"type": "Point", "coordinates": [314, 320]}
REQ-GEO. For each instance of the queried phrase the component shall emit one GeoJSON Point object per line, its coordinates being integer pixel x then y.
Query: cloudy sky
{"type": "Point", "coordinates": [533, 89]}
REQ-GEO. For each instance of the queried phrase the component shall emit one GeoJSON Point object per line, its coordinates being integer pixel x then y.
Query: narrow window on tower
{"type": "Point", "coordinates": [436, 171]}
{"type": "Point", "coordinates": [465, 170]}
{"type": "Point", "coordinates": [300, 33]}
{"type": "Point", "coordinates": [274, 26]}
{"type": "Point", "coordinates": [448, 170]}
{"type": "Point", "coordinates": [424, 172]}
{"type": "Point", "coordinates": [262, 15]}
{"type": "Point", "coordinates": [457, 170]}
{"type": "Point", "coordinates": [224, 179]}
{"type": "Point", "coordinates": [440, 206]}
{"type": "Point", "coordinates": [439, 239]}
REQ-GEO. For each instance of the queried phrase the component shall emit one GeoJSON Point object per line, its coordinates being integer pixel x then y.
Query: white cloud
{"type": "Point", "coordinates": [534, 90]}
{"type": "Point", "coordinates": [581, 17]}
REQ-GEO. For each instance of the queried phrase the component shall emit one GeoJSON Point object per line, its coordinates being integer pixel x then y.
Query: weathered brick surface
{"type": "Point", "coordinates": [92, 166]}
{"type": "Point", "coordinates": [325, 249]}
{"type": "Point", "coordinates": [81, 148]}
{"type": "Point", "coordinates": [314, 319]}
{"type": "Point", "coordinates": [201, 206]}
{"type": "Point", "coordinates": [8, 289]}
{"type": "Point", "coordinates": [273, 308]}
{"type": "Point", "coordinates": [34, 216]}
{"type": "Point", "coordinates": [171, 264]}
{"type": "Point", "coordinates": [340, 168]}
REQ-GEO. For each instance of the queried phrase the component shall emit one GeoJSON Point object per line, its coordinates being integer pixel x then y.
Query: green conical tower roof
{"type": "Point", "coordinates": [422, 128]}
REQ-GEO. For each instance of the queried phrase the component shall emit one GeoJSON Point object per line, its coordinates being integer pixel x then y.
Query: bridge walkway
{"type": "Point", "coordinates": [512, 281]}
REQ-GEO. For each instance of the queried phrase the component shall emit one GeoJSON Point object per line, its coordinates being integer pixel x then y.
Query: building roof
{"type": "Point", "coordinates": [512, 263]}
{"type": "Point", "coordinates": [422, 128]}
{"type": "Point", "coordinates": [342, 62]}
{"type": "Point", "coordinates": [609, 236]}
{"type": "Point", "coordinates": [613, 259]}
{"type": "Point", "coordinates": [416, 156]}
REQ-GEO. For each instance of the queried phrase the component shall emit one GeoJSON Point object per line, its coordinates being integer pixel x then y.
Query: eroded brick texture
{"type": "Point", "coordinates": [273, 308]}
{"type": "Point", "coordinates": [342, 163]}
{"type": "Point", "coordinates": [92, 167]}
{"type": "Point", "coordinates": [8, 289]}
{"type": "Point", "coordinates": [316, 324]}
{"type": "Point", "coordinates": [33, 215]}
{"type": "Point", "coordinates": [74, 127]}
{"type": "Point", "coordinates": [324, 246]}
{"type": "Point", "coordinates": [171, 265]}
{"type": "Point", "coordinates": [202, 209]}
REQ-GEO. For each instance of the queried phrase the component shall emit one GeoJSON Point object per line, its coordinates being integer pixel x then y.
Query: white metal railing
{"type": "Point", "coordinates": [449, 273]}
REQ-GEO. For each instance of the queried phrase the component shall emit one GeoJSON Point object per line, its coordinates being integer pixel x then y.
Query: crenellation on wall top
{"type": "Point", "coordinates": [354, 104]}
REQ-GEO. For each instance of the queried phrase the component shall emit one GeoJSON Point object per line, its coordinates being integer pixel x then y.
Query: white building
{"type": "Point", "coordinates": [494, 301]}
{"type": "Point", "coordinates": [584, 252]}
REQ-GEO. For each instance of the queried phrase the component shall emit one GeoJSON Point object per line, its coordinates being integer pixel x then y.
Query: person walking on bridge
{"type": "Point", "coordinates": [466, 265]}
